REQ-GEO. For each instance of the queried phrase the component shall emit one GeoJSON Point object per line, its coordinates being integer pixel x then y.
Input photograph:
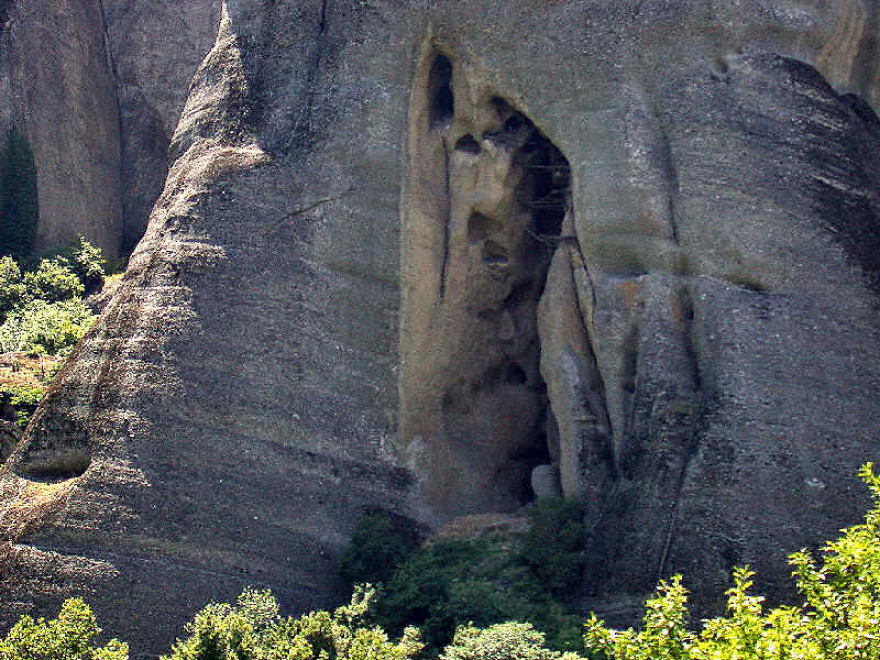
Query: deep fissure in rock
{"type": "Point", "coordinates": [482, 220]}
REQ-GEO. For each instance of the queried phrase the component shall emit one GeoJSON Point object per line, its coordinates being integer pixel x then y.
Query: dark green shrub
{"type": "Point", "coordinates": [24, 399]}
{"type": "Point", "coordinates": [379, 544]}
{"type": "Point", "coordinates": [20, 209]}
{"type": "Point", "coordinates": [88, 263]}
{"type": "Point", "coordinates": [12, 289]}
{"type": "Point", "coordinates": [53, 281]}
{"type": "Point", "coordinates": [554, 545]}
{"type": "Point", "coordinates": [451, 583]}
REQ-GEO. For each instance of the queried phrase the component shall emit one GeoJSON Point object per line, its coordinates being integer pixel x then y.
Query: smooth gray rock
{"type": "Point", "coordinates": [97, 88]}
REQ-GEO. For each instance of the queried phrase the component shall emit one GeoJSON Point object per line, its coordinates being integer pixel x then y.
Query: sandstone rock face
{"type": "Point", "coordinates": [352, 294]}
{"type": "Point", "coordinates": [64, 102]}
{"type": "Point", "coordinates": [100, 123]}
{"type": "Point", "coordinates": [156, 47]}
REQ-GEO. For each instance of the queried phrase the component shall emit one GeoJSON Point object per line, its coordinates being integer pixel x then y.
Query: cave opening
{"type": "Point", "coordinates": [487, 197]}
{"type": "Point", "coordinates": [442, 101]}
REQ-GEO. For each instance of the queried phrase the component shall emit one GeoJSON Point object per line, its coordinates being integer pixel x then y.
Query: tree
{"type": "Point", "coordinates": [88, 263]}
{"type": "Point", "coordinates": [20, 206]}
{"type": "Point", "coordinates": [839, 618]}
{"type": "Point", "coordinates": [72, 636]}
{"type": "Point", "coordinates": [503, 641]}
{"type": "Point", "coordinates": [253, 630]}
{"type": "Point", "coordinates": [53, 281]}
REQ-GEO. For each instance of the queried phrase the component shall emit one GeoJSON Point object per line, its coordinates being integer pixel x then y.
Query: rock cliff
{"type": "Point", "coordinates": [423, 257]}
{"type": "Point", "coordinates": [100, 122]}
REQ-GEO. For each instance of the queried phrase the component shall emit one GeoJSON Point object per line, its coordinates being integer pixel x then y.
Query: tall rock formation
{"type": "Point", "coordinates": [98, 87]}
{"type": "Point", "coordinates": [406, 256]}
{"type": "Point", "coordinates": [64, 102]}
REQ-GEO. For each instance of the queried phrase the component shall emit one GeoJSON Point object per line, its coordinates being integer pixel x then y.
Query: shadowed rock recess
{"type": "Point", "coordinates": [441, 259]}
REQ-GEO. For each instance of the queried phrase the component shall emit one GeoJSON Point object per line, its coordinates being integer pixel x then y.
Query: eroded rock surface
{"type": "Point", "coordinates": [324, 313]}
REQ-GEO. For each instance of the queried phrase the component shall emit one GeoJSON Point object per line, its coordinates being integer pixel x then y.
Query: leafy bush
{"type": "Point", "coordinates": [450, 583]}
{"type": "Point", "coordinates": [378, 546]}
{"type": "Point", "coordinates": [53, 281]}
{"type": "Point", "coordinates": [46, 328]}
{"type": "Point", "coordinates": [503, 641]}
{"type": "Point", "coordinates": [554, 545]}
{"type": "Point", "coordinates": [838, 620]}
{"type": "Point", "coordinates": [12, 289]}
{"type": "Point", "coordinates": [88, 263]}
{"type": "Point", "coordinates": [24, 399]}
{"type": "Point", "coordinates": [72, 636]}
{"type": "Point", "coordinates": [253, 630]}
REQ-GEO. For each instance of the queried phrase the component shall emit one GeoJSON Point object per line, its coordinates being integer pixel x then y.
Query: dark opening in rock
{"type": "Point", "coordinates": [54, 466]}
{"type": "Point", "coordinates": [442, 108]}
{"type": "Point", "coordinates": [515, 375]}
{"type": "Point", "coordinates": [480, 226]}
{"type": "Point", "coordinates": [467, 144]}
{"type": "Point", "coordinates": [477, 400]}
{"type": "Point", "coordinates": [550, 186]}
{"type": "Point", "coordinates": [494, 254]}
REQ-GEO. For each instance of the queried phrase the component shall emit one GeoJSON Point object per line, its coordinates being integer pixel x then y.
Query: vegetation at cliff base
{"type": "Point", "coordinates": [253, 629]}
{"type": "Point", "coordinates": [490, 578]}
{"type": "Point", "coordinates": [71, 636]}
{"type": "Point", "coordinates": [837, 619]}
{"type": "Point", "coordinates": [43, 315]}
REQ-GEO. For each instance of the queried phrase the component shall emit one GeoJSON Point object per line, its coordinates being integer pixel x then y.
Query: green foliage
{"type": "Point", "coordinates": [88, 263]}
{"type": "Point", "coordinates": [12, 289]}
{"type": "Point", "coordinates": [838, 620]}
{"type": "Point", "coordinates": [24, 399]}
{"type": "Point", "coordinates": [72, 636]}
{"type": "Point", "coordinates": [554, 545]}
{"type": "Point", "coordinates": [378, 546]}
{"type": "Point", "coordinates": [449, 583]}
{"type": "Point", "coordinates": [253, 630]}
{"type": "Point", "coordinates": [53, 281]}
{"type": "Point", "coordinates": [503, 641]}
{"type": "Point", "coordinates": [42, 327]}
{"type": "Point", "coordinates": [18, 185]}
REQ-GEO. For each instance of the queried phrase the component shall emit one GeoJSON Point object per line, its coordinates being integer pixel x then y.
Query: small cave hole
{"type": "Point", "coordinates": [468, 145]}
{"type": "Point", "coordinates": [515, 123]}
{"type": "Point", "coordinates": [480, 226]}
{"type": "Point", "coordinates": [515, 375]}
{"type": "Point", "coordinates": [494, 254]}
{"type": "Point", "coordinates": [442, 108]}
{"type": "Point", "coordinates": [500, 105]}
{"type": "Point", "coordinates": [56, 466]}
{"type": "Point", "coordinates": [721, 65]}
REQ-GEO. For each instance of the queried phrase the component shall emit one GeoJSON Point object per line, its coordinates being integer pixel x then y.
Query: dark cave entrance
{"type": "Point", "coordinates": [485, 207]}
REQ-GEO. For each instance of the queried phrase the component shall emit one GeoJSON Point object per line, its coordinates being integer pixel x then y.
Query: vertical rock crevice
{"type": "Point", "coordinates": [486, 206]}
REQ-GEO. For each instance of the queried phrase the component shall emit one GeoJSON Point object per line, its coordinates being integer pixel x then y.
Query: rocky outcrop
{"type": "Point", "coordinates": [100, 125]}
{"type": "Point", "coordinates": [350, 295]}
{"type": "Point", "coordinates": [64, 102]}
{"type": "Point", "coordinates": [156, 47]}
